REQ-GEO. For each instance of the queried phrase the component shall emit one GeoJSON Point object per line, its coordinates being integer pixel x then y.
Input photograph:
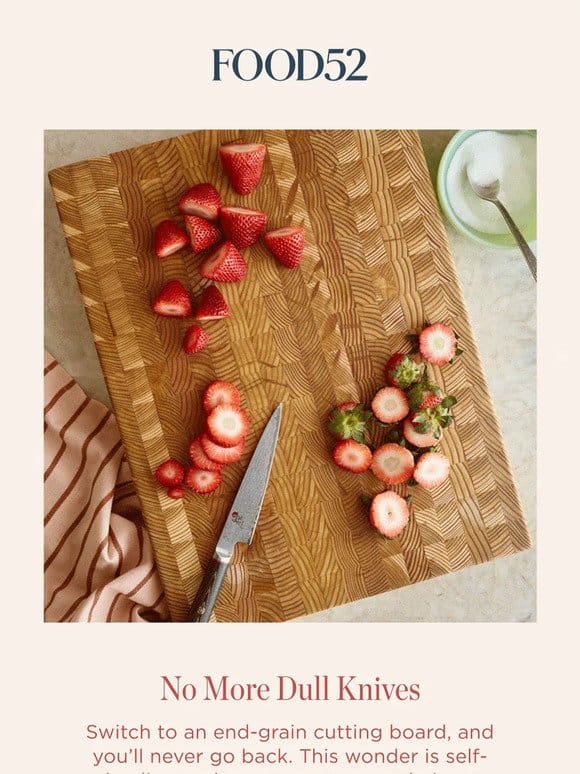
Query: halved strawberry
{"type": "Point", "coordinates": [401, 371]}
{"type": "Point", "coordinates": [392, 464]}
{"type": "Point", "coordinates": [172, 301]}
{"type": "Point", "coordinates": [353, 456]}
{"type": "Point", "coordinates": [176, 493]}
{"type": "Point", "coordinates": [243, 164]}
{"type": "Point", "coordinates": [225, 264]}
{"type": "Point", "coordinates": [389, 514]}
{"type": "Point", "coordinates": [390, 405]}
{"type": "Point", "coordinates": [200, 458]}
{"type": "Point", "coordinates": [202, 481]}
{"type": "Point", "coordinates": [420, 440]}
{"type": "Point", "coordinates": [218, 392]}
{"type": "Point", "coordinates": [169, 238]}
{"type": "Point", "coordinates": [431, 470]}
{"type": "Point", "coordinates": [227, 425]}
{"type": "Point", "coordinates": [195, 340]}
{"type": "Point", "coordinates": [202, 200]}
{"type": "Point", "coordinates": [286, 244]}
{"type": "Point", "coordinates": [221, 454]}
{"type": "Point", "coordinates": [438, 344]}
{"type": "Point", "coordinates": [242, 226]}
{"type": "Point", "coordinates": [349, 420]}
{"type": "Point", "coordinates": [212, 306]}
{"type": "Point", "coordinates": [202, 233]}
{"type": "Point", "coordinates": [170, 473]}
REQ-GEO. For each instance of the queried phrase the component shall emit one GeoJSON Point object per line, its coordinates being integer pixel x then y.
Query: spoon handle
{"type": "Point", "coordinates": [517, 234]}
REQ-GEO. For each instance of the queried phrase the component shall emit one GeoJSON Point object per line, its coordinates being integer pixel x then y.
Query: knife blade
{"type": "Point", "coordinates": [242, 519]}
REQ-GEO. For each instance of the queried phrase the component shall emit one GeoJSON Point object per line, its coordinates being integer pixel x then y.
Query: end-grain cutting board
{"type": "Point", "coordinates": [377, 264]}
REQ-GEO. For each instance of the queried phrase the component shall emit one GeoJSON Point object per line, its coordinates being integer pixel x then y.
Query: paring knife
{"type": "Point", "coordinates": [241, 521]}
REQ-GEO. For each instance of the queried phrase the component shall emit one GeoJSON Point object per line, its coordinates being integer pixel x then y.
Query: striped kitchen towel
{"type": "Point", "coordinates": [98, 559]}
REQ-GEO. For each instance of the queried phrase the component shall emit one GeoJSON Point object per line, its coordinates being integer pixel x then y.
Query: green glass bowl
{"type": "Point", "coordinates": [528, 228]}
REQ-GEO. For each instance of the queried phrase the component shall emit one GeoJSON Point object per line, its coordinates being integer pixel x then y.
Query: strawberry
{"type": "Point", "coordinates": [392, 464]}
{"type": "Point", "coordinates": [172, 301]}
{"type": "Point", "coordinates": [221, 454]}
{"type": "Point", "coordinates": [242, 226]}
{"type": "Point", "coordinates": [227, 425]}
{"type": "Point", "coordinates": [346, 406]}
{"type": "Point", "coordinates": [431, 470]}
{"type": "Point", "coordinates": [217, 393]}
{"type": "Point", "coordinates": [402, 372]}
{"type": "Point", "coordinates": [413, 436]}
{"type": "Point", "coordinates": [170, 473]}
{"type": "Point", "coordinates": [243, 164]}
{"type": "Point", "coordinates": [353, 456]}
{"type": "Point", "coordinates": [202, 481]}
{"type": "Point", "coordinates": [202, 233]}
{"type": "Point", "coordinates": [176, 493]}
{"type": "Point", "coordinates": [224, 264]}
{"type": "Point", "coordinates": [200, 458]}
{"type": "Point", "coordinates": [438, 344]}
{"type": "Point", "coordinates": [424, 395]}
{"type": "Point", "coordinates": [431, 419]}
{"type": "Point", "coordinates": [212, 306]}
{"type": "Point", "coordinates": [349, 420]}
{"type": "Point", "coordinates": [202, 200]}
{"type": "Point", "coordinates": [169, 238]}
{"type": "Point", "coordinates": [389, 514]}
{"type": "Point", "coordinates": [195, 340]}
{"type": "Point", "coordinates": [390, 405]}
{"type": "Point", "coordinates": [286, 244]}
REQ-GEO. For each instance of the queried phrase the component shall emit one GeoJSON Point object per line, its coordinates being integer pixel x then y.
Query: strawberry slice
{"type": "Point", "coordinates": [431, 470]}
{"type": "Point", "coordinates": [389, 514]}
{"type": "Point", "coordinates": [170, 473]}
{"type": "Point", "coordinates": [221, 454]}
{"type": "Point", "coordinates": [390, 405]}
{"type": "Point", "coordinates": [243, 164]}
{"type": "Point", "coordinates": [202, 200]}
{"type": "Point", "coordinates": [218, 392]}
{"type": "Point", "coordinates": [169, 238]}
{"type": "Point", "coordinates": [202, 233]}
{"type": "Point", "coordinates": [286, 244]}
{"type": "Point", "coordinates": [224, 264]}
{"type": "Point", "coordinates": [195, 340]}
{"type": "Point", "coordinates": [242, 226]}
{"type": "Point", "coordinates": [212, 306]}
{"type": "Point", "coordinates": [392, 464]}
{"type": "Point", "coordinates": [202, 481]}
{"type": "Point", "coordinates": [227, 425]}
{"type": "Point", "coordinates": [176, 493]}
{"type": "Point", "coordinates": [420, 440]}
{"type": "Point", "coordinates": [402, 372]}
{"type": "Point", "coordinates": [353, 456]}
{"type": "Point", "coordinates": [200, 458]}
{"type": "Point", "coordinates": [172, 301]}
{"type": "Point", "coordinates": [438, 344]}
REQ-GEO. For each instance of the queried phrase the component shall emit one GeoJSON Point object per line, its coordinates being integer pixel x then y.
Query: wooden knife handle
{"type": "Point", "coordinates": [208, 591]}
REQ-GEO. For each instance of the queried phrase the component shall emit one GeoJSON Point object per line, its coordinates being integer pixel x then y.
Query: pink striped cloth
{"type": "Point", "coordinates": [98, 559]}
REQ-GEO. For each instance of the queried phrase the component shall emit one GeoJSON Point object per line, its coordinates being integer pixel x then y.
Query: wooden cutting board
{"type": "Point", "coordinates": [377, 264]}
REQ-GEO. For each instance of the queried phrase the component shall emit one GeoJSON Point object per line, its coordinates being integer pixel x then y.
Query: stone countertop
{"type": "Point", "coordinates": [501, 297]}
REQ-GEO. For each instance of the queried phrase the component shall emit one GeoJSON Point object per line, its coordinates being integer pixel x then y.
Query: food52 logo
{"type": "Point", "coordinates": [281, 64]}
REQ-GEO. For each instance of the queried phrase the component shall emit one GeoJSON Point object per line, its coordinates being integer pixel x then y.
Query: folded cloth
{"type": "Point", "coordinates": [98, 559]}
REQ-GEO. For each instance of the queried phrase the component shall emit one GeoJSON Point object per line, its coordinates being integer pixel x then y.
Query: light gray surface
{"type": "Point", "coordinates": [501, 298]}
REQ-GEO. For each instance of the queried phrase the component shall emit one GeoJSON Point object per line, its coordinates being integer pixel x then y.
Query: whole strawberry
{"type": "Point", "coordinates": [424, 395]}
{"type": "Point", "coordinates": [402, 372]}
{"type": "Point", "coordinates": [349, 420]}
{"type": "Point", "coordinates": [430, 409]}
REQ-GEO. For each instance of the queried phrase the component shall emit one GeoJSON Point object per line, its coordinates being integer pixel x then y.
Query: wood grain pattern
{"type": "Point", "coordinates": [377, 264]}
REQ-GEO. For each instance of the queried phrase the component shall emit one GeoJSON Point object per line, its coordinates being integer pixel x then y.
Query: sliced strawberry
{"type": "Point", "coordinates": [200, 458]}
{"type": "Point", "coordinates": [202, 200]}
{"type": "Point", "coordinates": [195, 340]}
{"type": "Point", "coordinates": [392, 464]}
{"type": "Point", "coordinates": [176, 493]}
{"type": "Point", "coordinates": [169, 238]}
{"type": "Point", "coordinates": [420, 440]}
{"type": "Point", "coordinates": [202, 481]}
{"type": "Point", "coordinates": [227, 425]}
{"type": "Point", "coordinates": [212, 306]}
{"type": "Point", "coordinates": [243, 164]}
{"type": "Point", "coordinates": [402, 372]}
{"type": "Point", "coordinates": [286, 244]}
{"type": "Point", "coordinates": [170, 473]}
{"type": "Point", "coordinates": [242, 226]}
{"type": "Point", "coordinates": [202, 233]}
{"type": "Point", "coordinates": [221, 454]}
{"type": "Point", "coordinates": [438, 344]}
{"type": "Point", "coordinates": [389, 514]}
{"type": "Point", "coordinates": [390, 405]}
{"type": "Point", "coordinates": [218, 392]}
{"type": "Point", "coordinates": [224, 264]}
{"type": "Point", "coordinates": [431, 470]}
{"type": "Point", "coordinates": [349, 420]}
{"type": "Point", "coordinates": [172, 301]}
{"type": "Point", "coordinates": [353, 456]}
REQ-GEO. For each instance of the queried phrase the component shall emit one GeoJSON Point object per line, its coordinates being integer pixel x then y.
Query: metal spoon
{"type": "Point", "coordinates": [489, 192]}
